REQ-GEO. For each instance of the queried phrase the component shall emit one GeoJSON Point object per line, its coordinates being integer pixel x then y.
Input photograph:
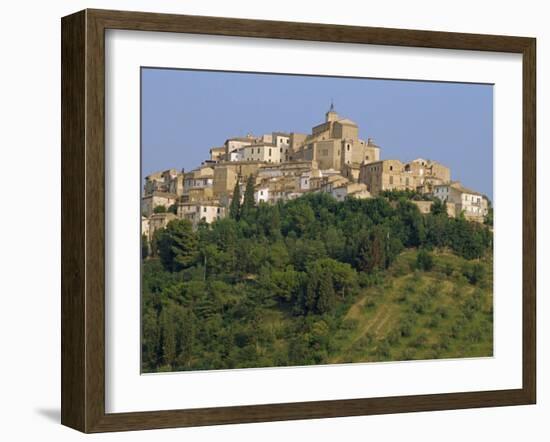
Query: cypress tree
{"type": "Point", "coordinates": [325, 296]}
{"type": "Point", "coordinates": [248, 200]}
{"type": "Point", "coordinates": [235, 207]}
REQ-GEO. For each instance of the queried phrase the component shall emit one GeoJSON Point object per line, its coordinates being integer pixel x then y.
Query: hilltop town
{"type": "Point", "coordinates": [284, 166]}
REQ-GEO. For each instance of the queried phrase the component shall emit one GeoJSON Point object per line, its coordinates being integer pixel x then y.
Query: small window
{"type": "Point", "coordinates": [218, 210]}
{"type": "Point", "coordinates": [204, 209]}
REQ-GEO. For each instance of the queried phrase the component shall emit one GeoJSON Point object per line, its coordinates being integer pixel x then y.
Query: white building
{"type": "Point", "coordinates": [208, 211]}
{"type": "Point", "coordinates": [262, 194]}
{"type": "Point", "coordinates": [473, 204]}
{"type": "Point", "coordinates": [269, 148]}
{"type": "Point", "coordinates": [233, 144]}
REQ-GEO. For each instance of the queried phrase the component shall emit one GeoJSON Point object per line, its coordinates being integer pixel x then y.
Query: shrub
{"type": "Point", "coordinates": [474, 273]}
{"type": "Point", "coordinates": [408, 354]}
{"type": "Point", "coordinates": [424, 260]}
{"type": "Point", "coordinates": [419, 341]}
{"type": "Point", "coordinates": [406, 326]}
{"type": "Point", "coordinates": [448, 269]}
{"type": "Point", "coordinates": [442, 312]}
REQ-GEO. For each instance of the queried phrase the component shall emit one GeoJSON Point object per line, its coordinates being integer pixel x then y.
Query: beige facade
{"type": "Point", "coordinates": [155, 199]}
{"type": "Point", "coordinates": [331, 159]}
{"type": "Point", "coordinates": [169, 181]}
{"type": "Point", "coordinates": [158, 221]}
{"type": "Point", "coordinates": [355, 190]}
{"type": "Point", "coordinates": [335, 144]}
{"type": "Point", "coordinates": [233, 144]}
{"type": "Point", "coordinates": [394, 175]}
{"type": "Point", "coordinates": [145, 226]}
{"type": "Point", "coordinates": [217, 154]}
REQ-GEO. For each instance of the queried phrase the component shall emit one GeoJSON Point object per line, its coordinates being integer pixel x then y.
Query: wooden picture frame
{"type": "Point", "coordinates": [83, 220]}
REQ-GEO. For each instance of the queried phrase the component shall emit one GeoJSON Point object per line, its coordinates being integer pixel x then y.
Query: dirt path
{"type": "Point", "coordinates": [376, 324]}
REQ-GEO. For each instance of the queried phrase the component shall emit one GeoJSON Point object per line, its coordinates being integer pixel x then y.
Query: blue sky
{"type": "Point", "coordinates": [185, 113]}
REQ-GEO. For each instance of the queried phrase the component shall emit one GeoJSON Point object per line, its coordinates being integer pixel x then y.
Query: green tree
{"type": "Point", "coordinates": [438, 207]}
{"type": "Point", "coordinates": [159, 209]}
{"type": "Point", "coordinates": [167, 337]}
{"type": "Point", "coordinates": [173, 209]}
{"type": "Point", "coordinates": [144, 246]}
{"type": "Point", "coordinates": [424, 260]}
{"type": "Point", "coordinates": [325, 294]}
{"type": "Point", "coordinates": [235, 206]}
{"type": "Point", "coordinates": [249, 204]}
{"type": "Point", "coordinates": [177, 245]}
{"type": "Point", "coordinates": [489, 217]}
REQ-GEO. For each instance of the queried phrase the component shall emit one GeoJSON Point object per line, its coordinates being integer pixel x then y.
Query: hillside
{"type": "Point", "coordinates": [424, 315]}
{"type": "Point", "coordinates": [316, 281]}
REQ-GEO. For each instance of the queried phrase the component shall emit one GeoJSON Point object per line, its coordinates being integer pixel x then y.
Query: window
{"type": "Point", "coordinates": [348, 147]}
{"type": "Point", "coordinates": [391, 167]}
{"type": "Point", "coordinates": [281, 150]}
{"type": "Point", "coordinates": [258, 150]}
{"type": "Point", "coordinates": [204, 209]}
{"type": "Point", "coordinates": [218, 210]}
{"type": "Point", "coordinates": [262, 192]}
{"type": "Point", "coordinates": [269, 151]}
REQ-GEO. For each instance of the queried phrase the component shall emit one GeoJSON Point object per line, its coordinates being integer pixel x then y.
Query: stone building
{"type": "Point", "coordinates": [270, 148]}
{"type": "Point", "coordinates": [419, 175]}
{"type": "Point", "coordinates": [335, 144]}
{"type": "Point", "coordinates": [231, 146]}
{"type": "Point", "coordinates": [355, 190]}
{"type": "Point", "coordinates": [155, 199]}
{"type": "Point", "coordinates": [158, 221]}
{"type": "Point", "coordinates": [169, 181]}
{"type": "Point", "coordinates": [226, 175]}
{"type": "Point", "coordinates": [217, 154]}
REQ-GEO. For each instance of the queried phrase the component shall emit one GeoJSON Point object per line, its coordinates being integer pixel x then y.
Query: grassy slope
{"type": "Point", "coordinates": [420, 315]}
{"type": "Point", "coordinates": [413, 315]}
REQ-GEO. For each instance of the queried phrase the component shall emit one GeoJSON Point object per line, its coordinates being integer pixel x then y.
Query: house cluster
{"type": "Point", "coordinates": [284, 166]}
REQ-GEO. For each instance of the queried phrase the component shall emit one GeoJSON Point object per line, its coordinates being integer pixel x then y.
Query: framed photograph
{"type": "Point", "coordinates": [268, 221]}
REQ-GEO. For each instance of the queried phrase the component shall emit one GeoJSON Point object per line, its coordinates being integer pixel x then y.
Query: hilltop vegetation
{"type": "Point", "coordinates": [316, 281]}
